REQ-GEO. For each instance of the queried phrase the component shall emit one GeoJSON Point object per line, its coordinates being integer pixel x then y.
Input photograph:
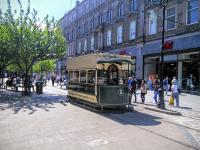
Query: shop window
{"type": "Point", "coordinates": [91, 77]}
{"type": "Point", "coordinates": [83, 77]}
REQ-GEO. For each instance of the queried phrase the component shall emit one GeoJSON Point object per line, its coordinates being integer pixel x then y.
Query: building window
{"type": "Point", "coordinates": [68, 36]}
{"type": "Point", "coordinates": [73, 34]}
{"type": "Point", "coordinates": [79, 30]}
{"type": "Point", "coordinates": [133, 5]}
{"type": "Point", "coordinates": [92, 23]}
{"type": "Point", "coordinates": [110, 14]}
{"type": "Point", "coordinates": [85, 27]}
{"type": "Point", "coordinates": [100, 19]}
{"type": "Point", "coordinates": [92, 42]}
{"type": "Point", "coordinates": [109, 38]}
{"type": "Point", "coordinates": [152, 22]}
{"type": "Point", "coordinates": [85, 45]}
{"type": "Point", "coordinates": [192, 11]}
{"type": "Point", "coordinates": [79, 47]}
{"type": "Point", "coordinates": [120, 9]}
{"type": "Point", "coordinates": [171, 18]}
{"type": "Point", "coordinates": [119, 34]}
{"type": "Point", "coordinates": [68, 49]}
{"type": "Point", "coordinates": [100, 40]}
{"type": "Point", "coordinates": [132, 32]}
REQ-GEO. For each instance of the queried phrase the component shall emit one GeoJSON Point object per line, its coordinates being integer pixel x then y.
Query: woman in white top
{"type": "Point", "coordinates": [175, 92]}
{"type": "Point", "coordinates": [143, 90]}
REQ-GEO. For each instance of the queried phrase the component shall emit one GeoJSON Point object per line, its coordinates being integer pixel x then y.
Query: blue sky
{"type": "Point", "coordinates": [56, 8]}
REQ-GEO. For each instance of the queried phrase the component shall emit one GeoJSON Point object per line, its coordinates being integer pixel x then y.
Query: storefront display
{"type": "Point", "coordinates": [185, 67]}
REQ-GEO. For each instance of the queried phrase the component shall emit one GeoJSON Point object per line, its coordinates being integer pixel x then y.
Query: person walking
{"type": "Point", "coordinates": [156, 88]}
{"type": "Point", "coordinates": [129, 88]}
{"type": "Point", "coordinates": [175, 92]}
{"type": "Point", "coordinates": [133, 88]}
{"type": "Point", "coordinates": [166, 85]}
{"type": "Point", "coordinates": [143, 91]}
{"type": "Point", "coordinates": [150, 84]}
{"type": "Point", "coordinates": [53, 79]}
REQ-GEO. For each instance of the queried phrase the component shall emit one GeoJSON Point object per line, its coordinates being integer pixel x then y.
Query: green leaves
{"type": "Point", "coordinates": [25, 39]}
{"type": "Point", "coordinates": [44, 66]}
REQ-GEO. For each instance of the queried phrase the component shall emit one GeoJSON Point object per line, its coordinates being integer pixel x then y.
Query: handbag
{"type": "Point", "coordinates": [171, 101]}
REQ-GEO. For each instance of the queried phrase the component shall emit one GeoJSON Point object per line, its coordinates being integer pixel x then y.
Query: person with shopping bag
{"type": "Point", "coordinates": [175, 92]}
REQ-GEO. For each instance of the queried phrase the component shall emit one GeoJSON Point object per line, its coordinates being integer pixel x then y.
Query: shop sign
{"type": "Point", "coordinates": [123, 52]}
{"type": "Point", "coordinates": [168, 45]}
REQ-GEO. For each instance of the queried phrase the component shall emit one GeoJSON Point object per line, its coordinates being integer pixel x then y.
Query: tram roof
{"type": "Point", "coordinates": [90, 61]}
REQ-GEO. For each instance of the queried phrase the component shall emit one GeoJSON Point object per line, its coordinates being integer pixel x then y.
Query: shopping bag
{"type": "Point", "coordinates": [171, 101]}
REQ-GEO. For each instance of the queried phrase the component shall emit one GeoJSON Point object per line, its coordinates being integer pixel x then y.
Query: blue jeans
{"type": "Point", "coordinates": [155, 96]}
{"type": "Point", "coordinates": [176, 97]}
{"type": "Point", "coordinates": [166, 88]}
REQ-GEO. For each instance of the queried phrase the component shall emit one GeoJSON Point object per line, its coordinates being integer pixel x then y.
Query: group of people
{"type": "Point", "coordinates": [156, 86]}
{"type": "Point", "coordinates": [132, 85]}
{"type": "Point", "coordinates": [58, 79]}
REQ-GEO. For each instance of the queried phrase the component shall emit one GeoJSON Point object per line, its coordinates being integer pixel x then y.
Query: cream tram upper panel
{"type": "Point", "coordinates": [91, 61]}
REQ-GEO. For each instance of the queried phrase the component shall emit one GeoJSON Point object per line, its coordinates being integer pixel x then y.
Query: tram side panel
{"type": "Point", "coordinates": [113, 95]}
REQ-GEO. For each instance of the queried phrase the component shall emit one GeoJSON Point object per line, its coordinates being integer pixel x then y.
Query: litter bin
{"type": "Point", "coordinates": [39, 87]}
{"type": "Point", "coordinates": [161, 103]}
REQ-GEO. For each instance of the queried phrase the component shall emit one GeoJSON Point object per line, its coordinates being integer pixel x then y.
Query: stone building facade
{"type": "Point", "coordinates": [134, 27]}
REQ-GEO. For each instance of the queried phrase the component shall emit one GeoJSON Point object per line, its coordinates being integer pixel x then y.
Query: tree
{"type": "Point", "coordinates": [32, 40]}
{"type": "Point", "coordinates": [5, 48]}
{"type": "Point", "coordinates": [45, 65]}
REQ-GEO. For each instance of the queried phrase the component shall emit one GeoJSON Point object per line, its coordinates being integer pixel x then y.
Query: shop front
{"type": "Point", "coordinates": [184, 66]}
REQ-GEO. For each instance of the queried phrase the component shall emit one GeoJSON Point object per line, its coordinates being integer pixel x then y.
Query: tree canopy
{"type": "Point", "coordinates": [25, 39]}
{"type": "Point", "coordinates": [44, 66]}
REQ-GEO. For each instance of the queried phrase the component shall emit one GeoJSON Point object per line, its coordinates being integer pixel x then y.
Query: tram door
{"type": "Point", "coordinates": [112, 75]}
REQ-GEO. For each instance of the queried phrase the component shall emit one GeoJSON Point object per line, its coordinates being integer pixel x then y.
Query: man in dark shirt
{"type": "Point", "coordinates": [133, 88]}
{"type": "Point", "coordinates": [156, 88]}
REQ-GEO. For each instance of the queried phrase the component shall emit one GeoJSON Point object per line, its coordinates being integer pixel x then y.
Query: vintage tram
{"type": "Point", "coordinates": [99, 79]}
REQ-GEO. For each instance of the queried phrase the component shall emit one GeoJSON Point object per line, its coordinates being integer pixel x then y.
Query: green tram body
{"type": "Point", "coordinates": [99, 79]}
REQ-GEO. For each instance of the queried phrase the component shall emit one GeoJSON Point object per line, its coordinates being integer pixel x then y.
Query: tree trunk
{"type": "Point", "coordinates": [1, 73]}
{"type": "Point", "coordinates": [26, 85]}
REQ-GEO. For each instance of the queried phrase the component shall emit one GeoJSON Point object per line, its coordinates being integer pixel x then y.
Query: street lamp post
{"type": "Point", "coordinates": [161, 103]}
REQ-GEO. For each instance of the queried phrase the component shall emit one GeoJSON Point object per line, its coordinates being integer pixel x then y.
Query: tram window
{"type": "Point", "coordinates": [83, 77]}
{"type": "Point", "coordinates": [113, 75]}
{"type": "Point", "coordinates": [91, 76]}
{"type": "Point", "coordinates": [102, 77]}
{"type": "Point", "coordinates": [76, 76]}
{"type": "Point", "coordinates": [123, 77]}
{"type": "Point", "coordinates": [71, 76]}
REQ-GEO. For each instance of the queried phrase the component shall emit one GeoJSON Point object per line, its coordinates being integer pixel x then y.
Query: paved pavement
{"type": "Point", "coordinates": [43, 122]}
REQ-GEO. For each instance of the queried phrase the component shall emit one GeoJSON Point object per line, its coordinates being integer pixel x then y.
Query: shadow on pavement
{"type": "Point", "coordinates": [184, 107]}
{"type": "Point", "coordinates": [30, 104]}
{"type": "Point", "coordinates": [133, 118]}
